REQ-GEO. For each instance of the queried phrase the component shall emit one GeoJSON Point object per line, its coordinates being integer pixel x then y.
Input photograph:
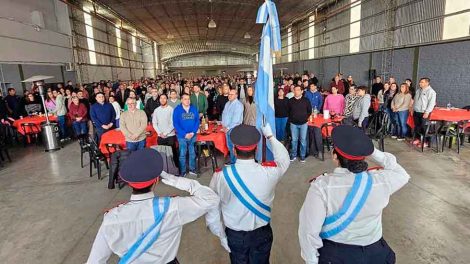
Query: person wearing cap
{"type": "Point", "coordinates": [148, 228]}
{"type": "Point", "coordinates": [246, 190]}
{"type": "Point", "coordinates": [341, 218]}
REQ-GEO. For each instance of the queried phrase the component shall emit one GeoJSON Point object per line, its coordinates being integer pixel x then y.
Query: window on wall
{"type": "Point", "coordinates": [90, 39]}
{"type": "Point", "coordinates": [355, 26]}
{"type": "Point", "coordinates": [289, 44]}
{"type": "Point", "coordinates": [456, 26]}
{"type": "Point", "coordinates": [155, 52]}
{"type": "Point", "coordinates": [119, 44]}
{"type": "Point", "coordinates": [134, 45]}
{"type": "Point", "coordinates": [311, 39]}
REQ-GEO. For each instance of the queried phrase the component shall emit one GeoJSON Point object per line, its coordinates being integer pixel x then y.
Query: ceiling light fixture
{"type": "Point", "coordinates": [247, 35]}
{"type": "Point", "coordinates": [212, 23]}
{"type": "Point", "coordinates": [170, 36]}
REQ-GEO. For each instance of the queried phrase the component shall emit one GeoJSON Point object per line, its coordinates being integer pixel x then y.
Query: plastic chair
{"type": "Point", "coordinates": [84, 144]}
{"type": "Point", "coordinates": [209, 146]}
{"type": "Point", "coordinates": [30, 130]}
{"type": "Point", "coordinates": [326, 136]}
{"type": "Point", "coordinates": [431, 131]}
{"type": "Point", "coordinates": [96, 157]}
{"type": "Point", "coordinates": [448, 132]}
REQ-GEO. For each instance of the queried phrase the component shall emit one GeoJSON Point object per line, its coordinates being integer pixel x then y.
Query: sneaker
{"type": "Point", "coordinates": [192, 173]}
{"type": "Point", "coordinates": [400, 139]}
{"type": "Point", "coordinates": [425, 145]}
{"type": "Point", "coordinates": [416, 142]}
{"type": "Point", "coordinates": [394, 137]}
{"type": "Point", "coordinates": [302, 160]}
{"type": "Point", "coordinates": [293, 159]}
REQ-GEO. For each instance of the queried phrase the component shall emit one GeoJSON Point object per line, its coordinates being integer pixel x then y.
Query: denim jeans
{"type": "Point", "coordinates": [392, 124]}
{"type": "Point", "coordinates": [133, 146]}
{"type": "Point", "coordinates": [62, 128]}
{"type": "Point", "coordinates": [184, 146]}
{"type": "Point", "coordinates": [402, 117]}
{"type": "Point", "coordinates": [281, 123]}
{"type": "Point", "coordinates": [80, 127]}
{"type": "Point", "coordinates": [230, 146]}
{"type": "Point", "coordinates": [250, 246]}
{"type": "Point", "coordinates": [299, 132]}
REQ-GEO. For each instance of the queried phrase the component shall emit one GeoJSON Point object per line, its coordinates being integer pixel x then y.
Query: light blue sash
{"type": "Point", "coordinates": [245, 196]}
{"type": "Point", "coordinates": [352, 205]}
{"type": "Point", "coordinates": [150, 235]}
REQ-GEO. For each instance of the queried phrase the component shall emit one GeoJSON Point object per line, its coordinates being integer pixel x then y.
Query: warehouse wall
{"type": "Point", "coordinates": [446, 64]}
{"type": "Point", "coordinates": [22, 42]}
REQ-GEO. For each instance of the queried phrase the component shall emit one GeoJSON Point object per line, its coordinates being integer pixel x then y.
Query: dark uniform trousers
{"type": "Point", "coordinates": [250, 247]}
{"type": "Point", "coordinates": [337, 253]}
{"type": "Point", "coordinates": [175, 261]}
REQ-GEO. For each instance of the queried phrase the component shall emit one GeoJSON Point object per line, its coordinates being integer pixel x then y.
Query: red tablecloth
{"type": "Point", "coordinates": [218, 137]}
{"type": "Point", "coordinates": [444, 114]}
{"type": "Point", "coordinates": [117, 137]}
{"type": "Point", "coordinates": [320, 121]}
{"type": "Point", "coordinates": [37, 120]}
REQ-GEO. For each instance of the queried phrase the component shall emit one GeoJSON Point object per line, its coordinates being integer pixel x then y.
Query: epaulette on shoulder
{"type": "Point", "coordinates": [375, 168]}
{"type": "Point", "coordinates": [269, 164]}
{"type": "Point", "coordinates": [117, 205]}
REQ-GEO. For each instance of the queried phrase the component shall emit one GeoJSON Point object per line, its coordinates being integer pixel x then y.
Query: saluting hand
{"type": "Point", "coordinates": [168, 179]}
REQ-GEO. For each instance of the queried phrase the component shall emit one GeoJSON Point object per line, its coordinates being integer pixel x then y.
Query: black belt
{"type": "Point", "coordinates": [381, 242]}
{"type": "Point", "coordinates": [259, 229]}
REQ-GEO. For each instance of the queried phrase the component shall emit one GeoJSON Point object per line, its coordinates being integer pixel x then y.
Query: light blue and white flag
{"type": "Point", "coordinates": [264, 86]}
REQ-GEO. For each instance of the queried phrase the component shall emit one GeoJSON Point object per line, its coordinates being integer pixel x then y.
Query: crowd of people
{"type": "Point", "coordinates": [175, 107]}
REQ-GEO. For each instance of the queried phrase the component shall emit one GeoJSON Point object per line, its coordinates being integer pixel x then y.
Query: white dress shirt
{"type": "Point", "coordinates": [123, 225]}
{"type": "Point", "coordinates": [327, 194]}
{"type": "Point", "coordinates": [261, 180]}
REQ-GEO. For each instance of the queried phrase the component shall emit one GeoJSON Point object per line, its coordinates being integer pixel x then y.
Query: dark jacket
{"type": "Point", "coordinates": [220, 103]}
{"type": "Point", "coordinates": [299, 110]}
{"type": "Point", "coordinates": [150, 106]}
{"type": "Point", "coordinates": [122, 99]}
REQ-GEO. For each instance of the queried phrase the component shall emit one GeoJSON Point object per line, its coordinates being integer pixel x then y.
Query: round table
{"type": "Point", "coordinates": [217, 137]}
{"type": "Point", "coordinates": [444, 114]}
{"type": "Point", "coordinates": [116, 136]}
{"type": "Point", "coordinates": [36, 120]}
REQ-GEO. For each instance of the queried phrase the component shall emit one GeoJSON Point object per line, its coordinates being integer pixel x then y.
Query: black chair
{"type": "Point", "coordinates": [205, 150]}
{"type": "Point", "coordinates": [30, 131]}
{"type": "Point", "coordinates": [4, 145]}
{"type": "Point", "coordinates": [448, 132]}
{"type": "Point", "coordinates": [431, 132]}
{"type": "Point", "coordinates": [84, 143]}
{"type": "Point", "coordinates": [96, 157]}
{"type": "Point", "coordinates": [326, 136]}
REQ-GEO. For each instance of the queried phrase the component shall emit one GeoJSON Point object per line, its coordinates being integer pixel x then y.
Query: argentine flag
{"type": "Point", "coordinates": [264, 86]}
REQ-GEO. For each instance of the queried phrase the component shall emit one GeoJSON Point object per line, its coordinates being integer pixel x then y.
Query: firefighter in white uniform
{"type": "Point", "coordinates": [148, 229]}
{"type": "Point", "coordinates": [341, 218]}
{"type": "Point", "coordinates": [246, 191]}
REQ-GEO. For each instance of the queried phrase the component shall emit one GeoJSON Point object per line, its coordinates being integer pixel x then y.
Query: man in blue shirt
{"type": "Point", "coordinates": [102, 114]}
{"type": "Point", "coordinates": [232, 117]}
{"type": "Point", "coordinates": [186, 123]}
{"type": "Point", "coordinates": [314, 96]}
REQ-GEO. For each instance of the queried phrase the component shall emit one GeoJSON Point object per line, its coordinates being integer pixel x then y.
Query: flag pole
{"type": "Point", "coordinates": [263, 159]}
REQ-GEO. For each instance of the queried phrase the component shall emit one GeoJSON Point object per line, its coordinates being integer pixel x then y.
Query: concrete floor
{"type": "Point", "coordinates": [51, 210]}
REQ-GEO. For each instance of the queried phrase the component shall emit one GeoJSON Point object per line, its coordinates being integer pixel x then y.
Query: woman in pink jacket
{"type": "Point", "coordinates": [334, 102]}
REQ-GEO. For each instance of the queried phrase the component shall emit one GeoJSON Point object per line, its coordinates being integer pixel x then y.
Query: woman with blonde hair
{"type": "Point", "coordinates": [400, 107]}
